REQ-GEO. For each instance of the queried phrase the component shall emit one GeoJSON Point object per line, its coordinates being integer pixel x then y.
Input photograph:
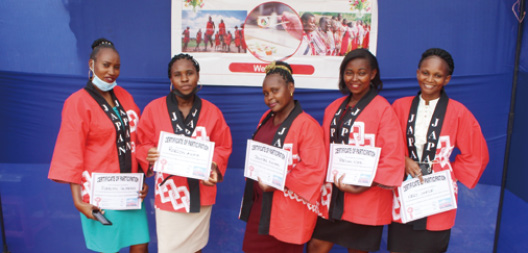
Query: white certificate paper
{"type": "Point", "coordinates": [184, 156]}
{"type": "Point", "coordinates": [116, 191]}
{"type": "Point", "coordinates": [434, 196]}
{"type": "Point", "coordinates": [266, 162]}
{"type": "Point", "coordinates": [359, 164]}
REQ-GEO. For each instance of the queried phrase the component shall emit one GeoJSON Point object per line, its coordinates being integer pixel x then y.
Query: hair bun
{"type": "Point", "coordinates": [101, 41]}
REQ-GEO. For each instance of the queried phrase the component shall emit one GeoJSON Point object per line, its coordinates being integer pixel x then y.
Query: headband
{"type": "Point", "coordinates": [273, 66]}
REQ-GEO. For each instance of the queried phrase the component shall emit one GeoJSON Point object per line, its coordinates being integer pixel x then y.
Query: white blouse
{"type": "Point", "coordinates": [423, 118]}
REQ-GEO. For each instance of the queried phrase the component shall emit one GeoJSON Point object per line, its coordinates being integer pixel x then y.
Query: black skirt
{"type": "Point", "coordinates": [403, 238]}
{"type": "Point", "coordinates": [349, 235]}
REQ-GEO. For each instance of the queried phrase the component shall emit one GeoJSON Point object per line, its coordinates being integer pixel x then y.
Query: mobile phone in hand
{"type": "Point", "coordinates": [100, 217]}
{"type": "Point", "coordinates": [426, 168]}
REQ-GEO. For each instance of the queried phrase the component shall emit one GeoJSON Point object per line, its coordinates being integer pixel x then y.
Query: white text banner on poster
{"type": "Point", "coordinates": [116, 191]}
{"type": "Point", "coordinates": [184, 156]}
{"type": "Point", "coordinates": [266, 162]}
{"type": "Point", "coordinates": [234, 40]}
{"type": "Point", "coordinates": [435, 195]}
{"type": "Point", "coordinates": [358, 164]}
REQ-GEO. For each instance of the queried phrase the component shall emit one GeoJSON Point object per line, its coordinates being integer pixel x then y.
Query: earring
{"type": "Point", "coordinates": [90, 74]}
{"type": "Point", "coordinates": [170, 87]}
{"type": "Point", "coordinates": [291, 93]}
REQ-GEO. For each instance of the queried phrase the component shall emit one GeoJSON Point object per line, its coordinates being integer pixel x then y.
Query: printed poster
{"type": "Point", "coordinates": [234, 40]}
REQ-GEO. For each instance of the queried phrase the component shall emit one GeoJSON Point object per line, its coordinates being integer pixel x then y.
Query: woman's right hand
{"type": "Point", "coordinates": [412, 168]}
{"type": "Point", "coordinates": [83, 207]}
{"type": "Point", "coordinates": [87, 209]}
{"type": "Point", "coordinates": [152, 156]}
{"type": "Point", "coordinates": [354, 189]}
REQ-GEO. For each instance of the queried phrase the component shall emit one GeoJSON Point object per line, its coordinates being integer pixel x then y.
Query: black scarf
{"type": "Point", "coordinates": [340, 126]}
{"type": "Point", "coordinates": [433, 133]}
{"type": "Point", "coordinates": [122, 129]}
{"type": "Point", "coordinates": [267, 197]}
{"type": "Point", "coordinates": [186, 127]}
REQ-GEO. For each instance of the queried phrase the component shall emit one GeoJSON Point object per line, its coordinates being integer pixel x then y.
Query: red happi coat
{"type": "Point", "coordinates": [461, 130]}
{"type": "Point", "coordinates": [377, 126]}
{"type": "Point", "coordinates": [294, 211]}
{"type": "Point", "coordinates": [87, 140]}
{"type": "Point", "coordinates": [174, 194]}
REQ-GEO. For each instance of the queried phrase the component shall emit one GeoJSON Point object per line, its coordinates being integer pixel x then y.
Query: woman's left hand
{"type": "Point", "coordinates": [213, 177]}
{"type": "Point", "coordinates": [144, 191]}
{"type": "Point", "coordinates": [265, 187]}
{"type": "Point", "coordinates": [355, 189]}
{"type": "Point", "coordinates": [152, 156]}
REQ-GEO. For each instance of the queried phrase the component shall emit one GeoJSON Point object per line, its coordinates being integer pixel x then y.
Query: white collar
{"type": "Point", "coordinates": [432, 103]}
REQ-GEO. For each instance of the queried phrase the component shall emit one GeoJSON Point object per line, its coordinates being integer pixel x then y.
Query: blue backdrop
{"type": "Point", "coordinates": [45, 46]}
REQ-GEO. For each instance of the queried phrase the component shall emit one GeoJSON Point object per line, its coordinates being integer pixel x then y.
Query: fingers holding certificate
{"type": "Point", "coordinates": [152, 156]}
{"type": "Point", "coordinates": [264, 186]}
{"type": "Point", "coordinates": [214, 177]}
{"type": "Point", "coordinates": [355, 189]}
{"type": "Point", "coordinates": [143, 193]}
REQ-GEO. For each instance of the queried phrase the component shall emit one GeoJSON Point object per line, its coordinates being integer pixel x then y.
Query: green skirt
{"type": "Point", "coordinates": [129, 227]}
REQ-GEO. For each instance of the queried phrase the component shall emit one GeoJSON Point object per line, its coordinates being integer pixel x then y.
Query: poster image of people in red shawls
{"type": "Point", "coordinates": [213, 31]}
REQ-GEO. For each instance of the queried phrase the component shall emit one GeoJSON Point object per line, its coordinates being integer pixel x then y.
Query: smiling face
{"type": "Point", "coordinates": [277, 93]}
{"type": "Point", "coordinates": [106, 65]}
{"type": "Point", "coordinates": [309, 24]}
{"type": "Point", "coordinates": [432, 76]}
{"type": "Point", "coordinates": [334, 25]}
{"type": "Point", "coordinates": [357, 76]}
{"type": "Point", "coordinates": [325, 24]}
{"type": "Point", "coordinates": [183, 76]}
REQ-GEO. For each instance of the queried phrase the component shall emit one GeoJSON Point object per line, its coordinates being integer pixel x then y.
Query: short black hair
{"type": "Point", "coordinates": [186, 57]}
{"type": "Point", "coordinates": [359, 53]}
{"type": "Point", "coordinates": [99, 44]}
{"type": "Point", "coordinates": [443, 54]}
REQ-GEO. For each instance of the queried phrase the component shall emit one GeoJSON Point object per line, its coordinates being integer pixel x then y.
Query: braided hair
{"type": "Point", "coordinates": [99, 44]}
{"type": "Point", "coordinates": [186, 57]}
{"type": "Point", "coordinates": [444, 55]}
{"type": "Point", "coordinates": [282, 68]}
{"type": "Point", "coordinates": [359, 53]}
